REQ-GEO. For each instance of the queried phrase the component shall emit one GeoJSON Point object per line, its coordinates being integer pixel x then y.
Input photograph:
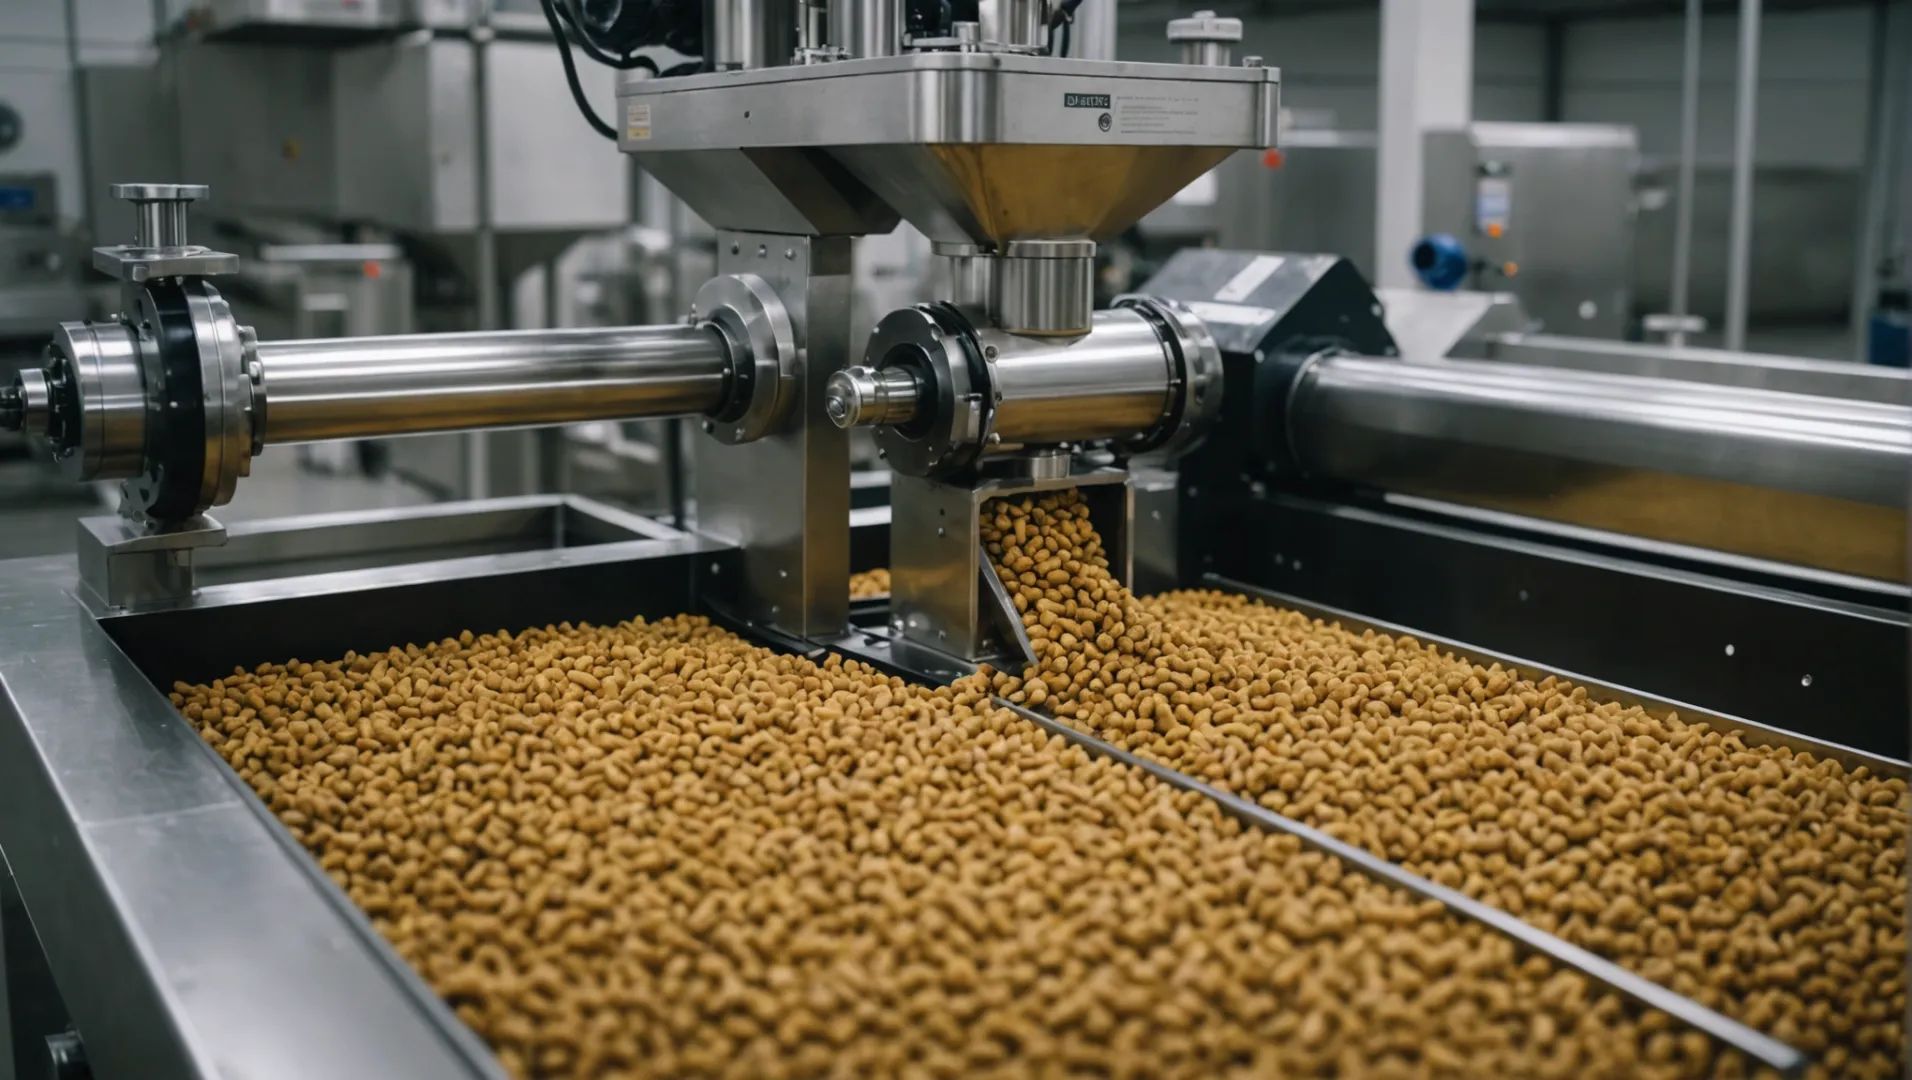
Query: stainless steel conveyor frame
{"type": "Point", "coordinates": [187, 932]}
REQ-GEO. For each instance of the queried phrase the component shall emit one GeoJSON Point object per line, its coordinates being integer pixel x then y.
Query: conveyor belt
{"type": "Point", "coordinates": [1762, 1048]}
{"type": "Point", "coordinates": [1754, 734]}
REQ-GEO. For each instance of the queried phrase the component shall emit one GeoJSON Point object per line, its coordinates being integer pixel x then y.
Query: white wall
{"type": "Point", "coordinates": [1814, 67]}
{"type": "Point", "coordinates": [1331, 62]}
{"type": "Point", "coordinates": [36, 77]}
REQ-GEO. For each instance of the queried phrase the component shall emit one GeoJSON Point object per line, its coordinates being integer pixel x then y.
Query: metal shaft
{"type": "Point", "coordinates": [1463, 425]}
{"type": "Point", "coordinates": [1689, 154]}
{"type": "Point", "coordinates": [159, 224]}
{"type": "Point", "coordinates": [860, 396]}
{"type": "Point", "coordinates": [345, 388]}
{"type": "Point", "coordinates": [867, 28]}
{"type": "Point", "coordinates": [1739, 258]}
{"type": "Point", "coordinates": [749, 34]}
{"type": "Point", "coordinates": [1113, 382]}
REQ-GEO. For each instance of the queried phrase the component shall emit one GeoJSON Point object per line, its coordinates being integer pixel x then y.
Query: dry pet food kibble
{"type": "Point", "coordinates": [870, 583]}
{"type": "Point", "coordinates": [1764, 883]}
{"type": "Point", "coordinates": [653, 849]}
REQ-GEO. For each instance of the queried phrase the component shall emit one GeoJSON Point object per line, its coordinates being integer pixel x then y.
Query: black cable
{"type": "Point", "coordinates": [622, 63]}
{"type": "Point", "coordinates": [571, 74]}
{"type": "Point", "coordinates": [1060, 22]}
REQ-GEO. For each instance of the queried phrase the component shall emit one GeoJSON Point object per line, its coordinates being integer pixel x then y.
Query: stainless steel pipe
{"type": "Point", "coordinates": [1113, 382]}
{"type": "Point", "coordinates": [865, 29]}
{"type": "Point", "coordinates": [943, 392]}
{"type": "Point", "coordinates": [1362, 419]}
{"type": "Point", "coordinates": [750, 34]}
{"type": "Point", "coordinates": [347, 388]}
{"type": "Point", "coordinates": [1805, 479]}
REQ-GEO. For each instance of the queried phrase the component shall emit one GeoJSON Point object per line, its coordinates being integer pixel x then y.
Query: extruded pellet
{"type": "Point", "coordinates": [870, 583]}
{"type": "Point", "coordinates": [653, 849]}
{"type": "Point", "coordinates": [1766, 884]}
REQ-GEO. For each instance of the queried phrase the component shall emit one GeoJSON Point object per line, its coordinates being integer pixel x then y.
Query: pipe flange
{"type": "Point", "coordinates": [199, 420]}
{"type": "Point", "coordinates": [746, 312]}
{"type": "Point", "coordinates": [96, 413]}
{"type": "Point", "coordinates": [936, 345]}
{"type": "Point", "coordinates": [256, 393]}
{"type": "Point", "coordinates": [166, 485]}
{"type": "Point", "coordinates": [1195, 377]}
{"type": "Point", "coordinates": [228, 394]}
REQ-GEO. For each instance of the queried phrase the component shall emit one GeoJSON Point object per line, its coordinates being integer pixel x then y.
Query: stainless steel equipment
{"type": "Point", "coordinates": [1547, 212]}
{"type": "Point", "coordinates": [176, 397]}
{"type": "Point", "coordinates": [1013, 197]}
{"type": "Point", "coordinates": [1727, 533]}
{"type": "Point", "coordinates": [1205, 38]}
{"type": "Point", "coordinates": [1806, 480]}
{"type": "Point", "coordinates": [43, 276]}
{"type": "Point", "coordinates": [140, 856]}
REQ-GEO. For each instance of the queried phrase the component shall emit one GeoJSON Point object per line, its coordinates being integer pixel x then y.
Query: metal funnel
{"type": "Point", "coordinates": [968, 147]}
{"type": "Point", "coordinates": [992, 193]}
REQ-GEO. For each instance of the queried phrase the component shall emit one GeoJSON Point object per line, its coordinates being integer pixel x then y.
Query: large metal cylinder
{"type": "Point", "coordinates": [346, 388]}
{"type": "Point", "coordinates": [864, 29]}
{"type": "Point", "coordinates": [1117, 380]}
{"type": "Point", "coordinates": [943, 393]}
{"type": "Point", "coordinates": [749, 34]}
{"type": "Point", "coordinates": [1798, 478]}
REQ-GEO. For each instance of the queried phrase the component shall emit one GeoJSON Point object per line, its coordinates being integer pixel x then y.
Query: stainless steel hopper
{"type": "Point", "coordinates": [971, 148]}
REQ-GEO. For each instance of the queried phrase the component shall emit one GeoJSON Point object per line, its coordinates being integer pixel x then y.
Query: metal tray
{"type": "Point", "coordinates": [188, 933]}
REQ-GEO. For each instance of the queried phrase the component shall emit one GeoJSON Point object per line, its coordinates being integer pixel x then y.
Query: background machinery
{"type": "Point", "coordinates": [1332, 464]}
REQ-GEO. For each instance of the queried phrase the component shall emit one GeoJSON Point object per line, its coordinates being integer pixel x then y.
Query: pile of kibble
{"type": "Point", "coordinates": [1761, 882]}
{"type": "Point", "coordinates": [870, 583]}
{"type": "Point", "coordinates": [653, 849]}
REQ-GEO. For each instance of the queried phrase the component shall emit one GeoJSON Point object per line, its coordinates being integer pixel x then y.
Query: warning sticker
{"type": "Point", "coordinates": [1156, 114]}
{"type": "Point", "coordinates": [637, 120]}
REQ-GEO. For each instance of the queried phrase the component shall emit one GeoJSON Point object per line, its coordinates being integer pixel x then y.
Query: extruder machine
{"type": "Point", "coordinates": [168, 926]}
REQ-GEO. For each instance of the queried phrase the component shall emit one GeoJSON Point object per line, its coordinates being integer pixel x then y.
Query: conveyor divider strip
{"type": "Point", "coordinates": [1761, 1048]}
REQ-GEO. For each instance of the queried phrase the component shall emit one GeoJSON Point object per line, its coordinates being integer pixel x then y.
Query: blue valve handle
{"type": "Point", "coordinates": [1439, 261]}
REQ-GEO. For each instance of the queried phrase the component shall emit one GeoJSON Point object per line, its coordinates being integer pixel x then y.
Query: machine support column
{"type": "Point", "coordinates": [1427, 83]}
{"type": "Point", "coordinates": [1739, 256]}
{"type": "Point", "coordinates": [1689, 156]}
{"type": "Point", "coordinates": [785, 499]}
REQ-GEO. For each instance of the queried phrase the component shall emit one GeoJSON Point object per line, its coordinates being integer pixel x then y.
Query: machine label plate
{"type": "Point", "coordinates": [637, 120]}
{"type": "Point", "coordinates": [1249, 278]}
